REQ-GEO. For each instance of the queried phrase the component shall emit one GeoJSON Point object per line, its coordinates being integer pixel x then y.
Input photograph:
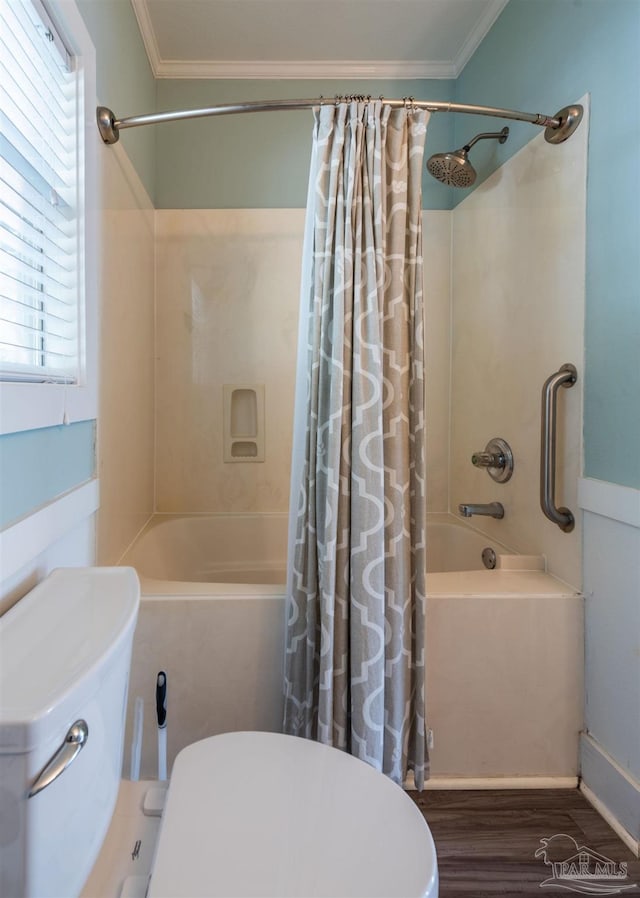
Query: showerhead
{"type": "Point", "coordinates": [454, 168]}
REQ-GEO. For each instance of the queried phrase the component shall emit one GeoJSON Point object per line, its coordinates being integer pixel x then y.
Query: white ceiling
{"type": "Point", "coordinates": [313, 38]}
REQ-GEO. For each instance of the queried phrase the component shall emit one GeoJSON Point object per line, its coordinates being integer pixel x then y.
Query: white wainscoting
{"type": "Point", "coordinates": [61, 533]}
{"type": "Point", "coordinates": [610, 748]}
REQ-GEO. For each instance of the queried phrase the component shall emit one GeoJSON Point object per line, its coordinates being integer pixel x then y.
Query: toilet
{"type": "Point", "coordinates": [247, 814]}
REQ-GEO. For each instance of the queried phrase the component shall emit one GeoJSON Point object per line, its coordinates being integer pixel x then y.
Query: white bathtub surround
{"type": "Point", "coordinates": [202, 549]}
{"type": "Point", "coordinates": [201, 553]}
{"type": "Point", "coordinates": [222, 652]}
{"type": "Point", "coordinates": [518, 310]}
{"type": "Point", "coordinates": [454, 546]}
{"type": "Point", "coordinates": [490, 698]}
{"type": "Point", "coordinates": [125, 424]}
{"type": "Point", "coordinates": [611, 745]}
{"type": "Point", "coordinates": [227, 313]}
{"type": "Point", "coordinates": [228, 292]}
{"type": "Point", "coordinates": [436, 250]}
{"type": "Point", "coordinates": [212, 617]}
{"type": "Point", "coordinates": [504, 675]}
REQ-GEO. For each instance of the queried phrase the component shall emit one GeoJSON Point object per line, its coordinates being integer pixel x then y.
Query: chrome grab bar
{"type": "Point", "coordinates": [74, 741]}
{"type": "Point", "coordinates": [565, 377]}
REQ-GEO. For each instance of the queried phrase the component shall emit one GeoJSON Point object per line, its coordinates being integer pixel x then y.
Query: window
{"type": "Point", "coordinates": [38, 198]}
{"type": "Point", "coordinates": [48, 227]}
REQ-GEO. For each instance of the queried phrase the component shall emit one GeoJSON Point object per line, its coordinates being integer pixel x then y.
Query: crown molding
{"type": "Point", "coordinates": [477, 35]}
{"type": "Point", "coordinates": [143, 16]}
{"type": "Point", "coordinates": [311, 70]}
{"type": "Point", "coordinates": [303, 70]}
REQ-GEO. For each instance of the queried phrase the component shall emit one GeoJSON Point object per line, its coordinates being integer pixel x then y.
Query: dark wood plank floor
{"type": "Point", "coordinates": [486, 840]}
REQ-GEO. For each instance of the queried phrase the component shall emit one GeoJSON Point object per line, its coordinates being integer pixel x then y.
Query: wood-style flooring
{"type": "Point", "coordinates": [486, 840]}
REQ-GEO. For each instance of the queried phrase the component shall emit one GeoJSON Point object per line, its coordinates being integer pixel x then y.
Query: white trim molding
{"type": "Point", "coordinates": [31, 536]}
{"type": "Point", "coordinates": [611, 790]}
{"type": "Point", "coordinates": [29, 406]}
{"type": "Point", "coordinates": [632, 844]}
{"type": "Point", "coordinates": [143, 16]}
{"type": "Point", "coordinates": [620, 503]}
{"type": "Point", "coordinates": [306, 69]}
{"type": "Point", "coordinates": [478, 783]}
{"type": "Point", "coordinates": [301, 69]}
{"type": "Point", "coordinates": [478, 35]}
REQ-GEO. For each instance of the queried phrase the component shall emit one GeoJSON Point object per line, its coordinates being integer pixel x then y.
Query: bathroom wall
{"type": "Point", "coordinates": [228, 275]}
{"type": "Point", "coordinates": [124, 78]}
{"type": "Point", "coordinates": [126, 411]}
{"type": "Point", "coordinates": [518, 315]}
{"type": "Point", "coordinates": [540, 56]}
{"type": "Point", "coordinates": [227, 313]}
{"type": "Point", "coordinates": [227, 297]}
{"type": "Point", "coordinates": [125, 450]}
{"type": "Point", "coordinates": [611, 741]}
{"type": "Point", "coordinates": [55, 505]}
{"type": "Point", "coordinates": [261, 160]}
{"type": "Point", "coordinates": [57, 459]}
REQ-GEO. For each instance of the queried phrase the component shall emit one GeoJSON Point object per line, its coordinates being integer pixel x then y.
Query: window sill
{"type": "Point", "coordinates": [30, 406]}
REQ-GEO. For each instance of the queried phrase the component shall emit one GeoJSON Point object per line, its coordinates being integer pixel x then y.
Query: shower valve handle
{"type": "Point", "coordinates": [488, 460]}
{"type": "Point", "coordinates": [496, 459]}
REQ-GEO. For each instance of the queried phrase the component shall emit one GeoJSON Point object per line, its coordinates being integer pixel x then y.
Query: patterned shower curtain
{"type": "Point", "coordinates": [354, 665]}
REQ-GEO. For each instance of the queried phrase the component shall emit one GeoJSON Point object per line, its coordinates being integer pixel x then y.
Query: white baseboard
{"type": "Point", "coordinates": [632, 844]}
{"type": "Point", "coordinates": [493, 782]}
{"type": "Point", "coordinates": [612, 791]}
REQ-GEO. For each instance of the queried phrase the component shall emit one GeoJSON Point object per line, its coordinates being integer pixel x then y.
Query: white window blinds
{"type": "Point", "coordinates": [39, 279]}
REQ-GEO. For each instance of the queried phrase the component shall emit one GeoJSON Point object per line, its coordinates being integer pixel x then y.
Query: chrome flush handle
{"type": "Point", "coordinates": [74, 741]}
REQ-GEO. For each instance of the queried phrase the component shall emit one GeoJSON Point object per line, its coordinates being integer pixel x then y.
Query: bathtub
{"type": "Point", "coordinates": [504, 646]}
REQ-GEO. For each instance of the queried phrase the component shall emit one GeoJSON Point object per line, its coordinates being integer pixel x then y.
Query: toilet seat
{"type": "Point", "coordinates": [261, 814]}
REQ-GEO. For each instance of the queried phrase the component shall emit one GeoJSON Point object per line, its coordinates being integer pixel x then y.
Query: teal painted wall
{"type": "Point", "coordinates": [261, 160]}
{"type": "Point", "coordinates": [125, 82]}
{"type": "Point", "coordinates": [541, 55]}
{"type": "Point", "coordinates": [39, 465]}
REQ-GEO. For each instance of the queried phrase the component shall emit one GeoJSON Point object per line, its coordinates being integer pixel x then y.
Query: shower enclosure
{"type": "Point", "coordinates": [227, 285]}
{"type": "Point", "coordinates": [230, 279]}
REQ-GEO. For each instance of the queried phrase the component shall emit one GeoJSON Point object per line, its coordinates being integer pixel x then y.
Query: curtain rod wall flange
{"type": "Point", "coordinates": [557, 128]}
{"type": "Point", "coordinates": [106, 125]}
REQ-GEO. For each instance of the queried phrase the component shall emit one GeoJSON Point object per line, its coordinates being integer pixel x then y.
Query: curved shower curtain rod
{"type": "Point", "coordinates": [557, 128]}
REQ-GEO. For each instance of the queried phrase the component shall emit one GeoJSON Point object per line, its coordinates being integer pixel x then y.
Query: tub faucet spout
{"type": "Point", "coordinates": [492, 510]}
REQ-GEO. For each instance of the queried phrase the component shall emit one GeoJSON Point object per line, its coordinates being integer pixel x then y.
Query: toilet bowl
{"type": "Point", "coordinates": [246, 813]}
{"type": "Point", "coordinates": [270, 815]}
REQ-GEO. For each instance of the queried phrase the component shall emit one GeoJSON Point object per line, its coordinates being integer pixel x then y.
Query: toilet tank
{"type": "Point", "coordinates": [65, 651]}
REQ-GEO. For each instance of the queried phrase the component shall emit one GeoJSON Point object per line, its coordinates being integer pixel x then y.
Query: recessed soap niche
{"type": "Point", "coordinates": [243, 416]}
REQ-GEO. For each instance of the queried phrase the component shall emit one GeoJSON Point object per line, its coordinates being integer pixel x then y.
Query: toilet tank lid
{"type": "Point", "coordinates": [55, 640]}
